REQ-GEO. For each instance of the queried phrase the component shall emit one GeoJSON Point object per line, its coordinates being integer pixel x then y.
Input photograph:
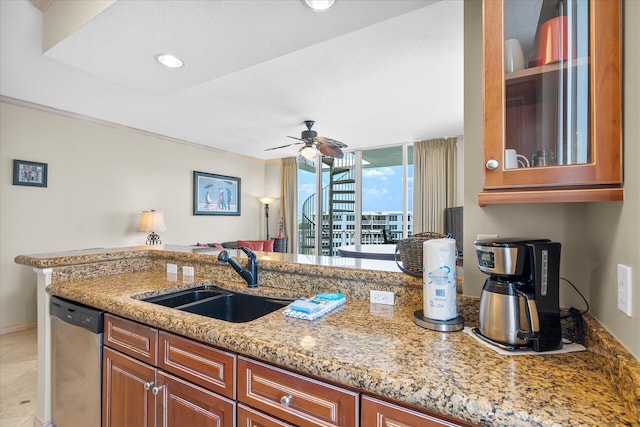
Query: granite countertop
{"type": "Point", "coordinates": [378, 350]}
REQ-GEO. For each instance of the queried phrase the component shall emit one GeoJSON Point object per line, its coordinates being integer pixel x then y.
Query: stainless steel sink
{"type": "Point", "coordinates": [211, 301]}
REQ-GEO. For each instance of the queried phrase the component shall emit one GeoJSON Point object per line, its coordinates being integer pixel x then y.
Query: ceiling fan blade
{"type": "Point", "coordinates": [330, 151]}
{"type": "Point", "coordinates": [283, 146]}
{"type": "Point", "coordinates": [329, 141]}
{"type": "Point", "coordinates": [299, 139]}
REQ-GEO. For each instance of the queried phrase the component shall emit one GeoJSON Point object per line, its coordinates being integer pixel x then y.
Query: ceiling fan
{"type": "Point", "coordinates": [326, 146]}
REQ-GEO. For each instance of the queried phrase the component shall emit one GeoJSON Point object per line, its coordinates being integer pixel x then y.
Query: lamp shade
{"type": "Point", "coordinates": [308, 153]}
{"type": "Point", "coordinates": [152, 221]}
{"type": "Point", "coordinates": [266, 200]}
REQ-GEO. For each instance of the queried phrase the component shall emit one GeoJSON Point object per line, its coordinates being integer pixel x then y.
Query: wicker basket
{"type": "Point", "coordinates": [410, 251]}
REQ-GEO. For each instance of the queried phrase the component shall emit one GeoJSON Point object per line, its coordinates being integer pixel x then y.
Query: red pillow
{"type": "Point", "coordinates": [268, 245]}
{"type": "Point", "coordinates": [254, 245]}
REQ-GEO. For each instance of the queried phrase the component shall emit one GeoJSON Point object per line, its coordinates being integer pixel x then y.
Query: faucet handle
{"type": "Point", "coordinates": [223, 256]}
{"type": "Point", "coordinates": [252, 255]}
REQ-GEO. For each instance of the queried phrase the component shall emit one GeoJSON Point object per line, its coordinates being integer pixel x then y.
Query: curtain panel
{"type": "Point", "coordinates": [434, 182]}
{"type": "Point", "coordinates": [289, 202]}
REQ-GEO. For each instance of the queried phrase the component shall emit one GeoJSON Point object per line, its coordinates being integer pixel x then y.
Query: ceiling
{"type": "Point", "coordinates": [370, 73]}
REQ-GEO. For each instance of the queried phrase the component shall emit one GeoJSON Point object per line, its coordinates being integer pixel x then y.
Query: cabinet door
{"type": "Point", "coordinates": [294, 398]}
{"type": "Point", "coordinates": [560, 108]}
{"type": "Point", "coordinates": [377, 413]}
{"type": "Point", "coordinates": [249, 417]}
{"type": "Point", "coordinates": [127, 400]}
{"type": "Point", "coordinates": [182, 404]}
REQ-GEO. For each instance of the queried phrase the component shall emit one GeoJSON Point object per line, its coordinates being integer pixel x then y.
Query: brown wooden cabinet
{"type": "Point", "coordinates": [249, 417]}
{"type": "Point", "coordinates": [127, 400]}
{"type": "Point", "coordinates": [378, 413]}
{"type": "Point", "coordinates": [181, 403]}
{"type": "Point", "coordinates": [138, 390]}
{"type": "Point", "coordinates": [153, 378]}
{"type": "Point", "coordinates": [563, 107]}
{"type": "Point", "coordinates": [294, 398]}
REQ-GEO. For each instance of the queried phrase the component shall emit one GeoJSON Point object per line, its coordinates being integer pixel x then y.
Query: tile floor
{"type": "Point", "coordinates": [18, 380]}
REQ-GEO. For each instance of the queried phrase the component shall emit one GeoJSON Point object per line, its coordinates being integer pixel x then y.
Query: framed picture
{"type": "Point", "coordinates": [33, 174]}
{"type": "Point", "coordinates": [215, 194]}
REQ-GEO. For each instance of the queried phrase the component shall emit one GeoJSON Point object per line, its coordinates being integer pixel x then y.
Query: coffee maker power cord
{"type": "Point", "coordinates": [575, 314]}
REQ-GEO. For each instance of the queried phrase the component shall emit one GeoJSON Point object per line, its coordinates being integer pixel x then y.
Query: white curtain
{"type": "Point", "coordinates": [434, 182]}
{"type": "Point", "coordinates": [289, 202]}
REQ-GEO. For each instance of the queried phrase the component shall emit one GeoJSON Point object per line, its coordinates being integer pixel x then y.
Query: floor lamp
{"type": "Point", "coordinates": [266, 201]}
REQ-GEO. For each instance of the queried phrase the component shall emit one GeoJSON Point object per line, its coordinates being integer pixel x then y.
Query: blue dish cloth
{"type": "Point", "coordinates": [314, 307]}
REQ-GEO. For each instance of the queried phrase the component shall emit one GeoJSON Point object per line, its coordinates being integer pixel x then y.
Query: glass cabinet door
{"type": "Point", "coordinates": [552, 101]}
{"type": "Point", "coordinates": [546, 61]}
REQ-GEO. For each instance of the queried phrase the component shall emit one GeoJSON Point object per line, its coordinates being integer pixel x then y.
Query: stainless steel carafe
{"type": "Point", "coordinates": [507, 314]}
{"type": "Point", "coordinates": [519, 304]}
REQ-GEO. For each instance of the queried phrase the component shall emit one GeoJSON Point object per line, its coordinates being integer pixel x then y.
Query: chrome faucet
{"type": "Point", "coordinates": [251, 275]}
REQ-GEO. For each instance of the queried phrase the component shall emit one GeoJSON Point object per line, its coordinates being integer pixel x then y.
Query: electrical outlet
{"type": "Point", "coordinates": [381, 297]}
{"type": "Point", "coordinates": [624, 289]}
{"type": "Point", "coordinates": [172, 269]}
{"type": "Point", "coordinates": [187, 271]}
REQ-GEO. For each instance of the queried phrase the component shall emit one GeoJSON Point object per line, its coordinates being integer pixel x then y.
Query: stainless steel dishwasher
{"type": "Point", "coordinates": [76, 362]}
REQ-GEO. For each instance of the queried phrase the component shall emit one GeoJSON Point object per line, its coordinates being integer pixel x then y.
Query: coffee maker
{"type": "Point", "coordinates": [519, 304]}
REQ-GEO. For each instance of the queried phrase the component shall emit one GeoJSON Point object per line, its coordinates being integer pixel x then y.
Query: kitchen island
{"type": "Point", "coordinates": [376, 350]}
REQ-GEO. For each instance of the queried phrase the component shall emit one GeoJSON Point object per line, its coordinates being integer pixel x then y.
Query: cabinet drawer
{"type": "Point", "coordinates": [377, 413]}
{"type": "Point", "coordinates": [294, 398]}
{"type": "Point", "coordinates": [131, 338]}
{"type": "Point", "coordinates": [208, 367]}
{"type": "Point", "coordinates": [249, 417]}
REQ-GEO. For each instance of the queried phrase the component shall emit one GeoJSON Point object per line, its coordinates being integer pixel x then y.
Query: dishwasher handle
{"type": "Point", "coordinates": [77, 314]}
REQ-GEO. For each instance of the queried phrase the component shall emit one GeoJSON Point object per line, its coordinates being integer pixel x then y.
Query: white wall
{"type": "Point", "coordinates": [594, 236]}
{"type": "Point", "coordinates": [100, 179]}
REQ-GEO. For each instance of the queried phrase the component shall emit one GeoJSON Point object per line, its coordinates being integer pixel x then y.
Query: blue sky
{"type": "Point", "coordinates": [382, 188]}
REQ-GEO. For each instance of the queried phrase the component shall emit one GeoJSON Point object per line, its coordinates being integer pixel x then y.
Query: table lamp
{"type": "Point", "coordinates": [152, 221]}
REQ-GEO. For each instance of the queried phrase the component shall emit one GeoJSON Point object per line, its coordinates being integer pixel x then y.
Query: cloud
{"type": "Point", "coordinates": [381, 173]}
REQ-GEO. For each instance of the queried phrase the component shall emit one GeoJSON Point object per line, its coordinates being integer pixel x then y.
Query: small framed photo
{"type": "Point", "coordinates": [215, 194]}
{"type": "Point", "coordinates": [33, 174]}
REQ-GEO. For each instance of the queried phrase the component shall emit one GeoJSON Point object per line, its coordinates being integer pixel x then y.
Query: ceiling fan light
{"type": "Point", "coordinates": [319, 5]}
{"type": "Point", "coordinates": [308, 152]}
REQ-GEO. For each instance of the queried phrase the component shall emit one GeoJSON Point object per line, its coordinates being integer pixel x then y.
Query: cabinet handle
{"type": "Point", "coordinates": [286, 400]}
{"type": "Point", "coordinates": [147, 386]}
{"type": "Point", "coordinates": [157, 390]}
{"type": "Point", "coordinates": [492, 164]}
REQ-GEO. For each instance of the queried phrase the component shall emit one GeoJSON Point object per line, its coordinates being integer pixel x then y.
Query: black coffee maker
{"type": "Point", "coordinates": [519, 304]}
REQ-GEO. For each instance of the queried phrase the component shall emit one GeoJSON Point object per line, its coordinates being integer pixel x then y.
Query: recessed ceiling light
{"type": "Point", "coordinates": [169, 61]}
{"type": "Point", "coordinates": [319, 5]}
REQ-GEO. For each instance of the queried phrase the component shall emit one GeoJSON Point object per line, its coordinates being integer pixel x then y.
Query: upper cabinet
{"type": "Point", "coordinates": [552, 101]}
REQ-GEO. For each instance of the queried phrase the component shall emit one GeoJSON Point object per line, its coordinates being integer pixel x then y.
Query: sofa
{"type": "Point", "coordinates": [277, 244]}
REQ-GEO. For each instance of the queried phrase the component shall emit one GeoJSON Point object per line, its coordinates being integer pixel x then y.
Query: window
{"type": "Point", "coordinates": [354, 212]}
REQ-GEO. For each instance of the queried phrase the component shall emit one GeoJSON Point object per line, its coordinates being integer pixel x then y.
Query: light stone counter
{"type": "Point", "coordinates": [378, 350]}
